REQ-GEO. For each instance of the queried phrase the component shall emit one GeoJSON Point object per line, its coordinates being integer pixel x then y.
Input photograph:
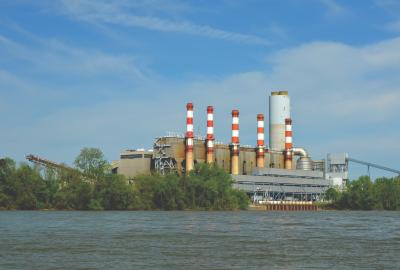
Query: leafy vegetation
{"type": "Point", "coordinates": [363, 194]}
{"type": "Point", "coordinates": [93, 187]}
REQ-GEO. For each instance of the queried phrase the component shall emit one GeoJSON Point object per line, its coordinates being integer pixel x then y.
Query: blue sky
{"type": "Point", "coordinates": [116, 74]}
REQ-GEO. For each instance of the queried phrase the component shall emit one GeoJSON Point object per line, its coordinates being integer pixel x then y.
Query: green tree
{"type": "Point", "coordinates": [52, 184]}
{"type": "Point", "coordinates": [206, 187]}
{"type": "Point", "coordinates": [113, 193]}
{"type": "Point", "coordinates": [169, 193]}
{"type": "Point", "coordinates": [361, 194]}
{"type": "Point", "coordinates": [332, 194]}
{"type": "Point", "coordinates": [210, 187]}
{"type": "Point", "coordinates": [91, 161]}
{"type": "Point", "coordinates": [387, 193]}
{"type": "Point", "coordinates": [74, 192]}
{"type": "Point", "coordinates": [7, 170]}
{"type": "Point", "coordinates": [29, 190]}
{"type": "Point", "coordinates": [146, 186]}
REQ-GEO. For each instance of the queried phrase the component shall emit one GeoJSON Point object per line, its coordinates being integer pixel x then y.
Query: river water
{"type": "Point", "coordinates": [199, 240]}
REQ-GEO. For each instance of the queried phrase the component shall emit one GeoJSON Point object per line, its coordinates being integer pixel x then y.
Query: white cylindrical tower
{"type": "Point", "coordinates": [279, 110]}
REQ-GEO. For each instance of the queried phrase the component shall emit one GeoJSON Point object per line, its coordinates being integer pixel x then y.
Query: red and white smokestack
{"type": "Point", "coordinates": [288, 144]}
{"type": "Point", "coordinates": [189, 137]}
{"type": "Point", "coordinates": [235, 143]}
{"type": "Point", "coordinates": [260, 141]}
{"type": "Point", "coordinates": [210, 135]}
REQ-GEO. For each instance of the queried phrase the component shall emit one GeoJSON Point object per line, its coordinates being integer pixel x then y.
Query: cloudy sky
{"type": "Point", "coordinates": [116, 74]}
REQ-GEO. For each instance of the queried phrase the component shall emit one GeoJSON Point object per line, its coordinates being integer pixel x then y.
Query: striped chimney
{"type": "Point", "coordinates": [210, 135]}
{"type": "Point", "coordinates": [260, 141]}
{"type": "Point", "coordinates": [235, 127]}
{"type": "Point", "coordinates": [288, 144]}
{"type": "Point", "coordinates": [235, 143]}
{"type": "Point", "coordinates": [189, 137]}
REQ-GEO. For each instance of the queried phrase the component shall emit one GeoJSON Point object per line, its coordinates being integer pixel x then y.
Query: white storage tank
{"type": "Point", "coordinates": [279, 110]}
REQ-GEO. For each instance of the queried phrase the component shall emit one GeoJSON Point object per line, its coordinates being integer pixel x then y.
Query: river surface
{"type": "Point", "coordinates": [199, 240]}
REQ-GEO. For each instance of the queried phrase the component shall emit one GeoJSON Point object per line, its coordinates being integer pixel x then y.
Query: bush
{"type": "Point", "coordinates": [206, 187]}
{"type": "Point", "coordinates": [363, 194]}
{"type": "Point", "coordinates": [93, 188]}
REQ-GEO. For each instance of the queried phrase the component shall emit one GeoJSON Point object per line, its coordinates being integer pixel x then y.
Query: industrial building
{"type": "Point", "coordinates": [280, 172]}
{"type": "Point", "coordinates": [282, 176]}
{"type": "Point", "coordinates": [133, 162]}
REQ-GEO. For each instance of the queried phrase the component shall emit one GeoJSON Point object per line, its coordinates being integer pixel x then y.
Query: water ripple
{"type": "Point", "coordinates": [199, 240]}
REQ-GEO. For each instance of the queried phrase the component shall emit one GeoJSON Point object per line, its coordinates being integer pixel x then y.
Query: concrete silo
{"type": "Point", "coordinates": [279, 110]}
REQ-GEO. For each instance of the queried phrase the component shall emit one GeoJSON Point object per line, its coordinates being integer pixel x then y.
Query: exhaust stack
{"type": "Point", "coordinates": [260, 154]}
{"type": "Point", "coordinates": [210, 135]}
{"type": "Point", "coordinates": [235, 143]}
{"type": "Point", "coordinates": [189, 138]}
{"type": "Point", "coordinates": [288, 144]}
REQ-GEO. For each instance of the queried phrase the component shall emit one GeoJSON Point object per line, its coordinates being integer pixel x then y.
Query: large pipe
{"type": "Point", "coordinates": [235, 143]}
{"type": "Point", "coordinates": [288, 144]}
{"type": "Point", "coordinates": [260, 141]}
{"type": "Point", "coordinates": [210, 135]}
{"type": "Point", "coordinates": [298, 151]}
{"type": "Point", "coordinates": [189, 137]}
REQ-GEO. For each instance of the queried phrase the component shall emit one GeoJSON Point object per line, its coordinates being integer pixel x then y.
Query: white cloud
{"type": "Point", "coordinates": [341, 76]}
{"type": "Point", "coordinates": [116, 13]}
{"type": "Point", "coordinates": [53, 56]}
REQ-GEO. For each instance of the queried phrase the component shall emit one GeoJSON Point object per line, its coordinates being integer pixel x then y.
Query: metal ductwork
{"type": "Point", "coordinates": [304, 162]}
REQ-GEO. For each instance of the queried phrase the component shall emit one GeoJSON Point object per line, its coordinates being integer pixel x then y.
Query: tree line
{"type": "Point", "coordinates": [93, 187]}
{"type": "Point", "coordinates": [364, 194]}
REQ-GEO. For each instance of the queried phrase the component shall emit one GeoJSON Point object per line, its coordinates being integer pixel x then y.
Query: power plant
{"type": "Point", "coordinates": [277, 175]}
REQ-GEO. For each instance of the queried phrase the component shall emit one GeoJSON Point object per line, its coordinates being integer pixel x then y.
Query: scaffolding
{"type": "Point", "coordinates": [163, 163]}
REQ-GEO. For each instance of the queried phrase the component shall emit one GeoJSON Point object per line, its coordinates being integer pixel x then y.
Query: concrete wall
{"type": "Point", "coordinates": [133, 163]}
{"type": "Point", "coordinates": [132, 167]}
